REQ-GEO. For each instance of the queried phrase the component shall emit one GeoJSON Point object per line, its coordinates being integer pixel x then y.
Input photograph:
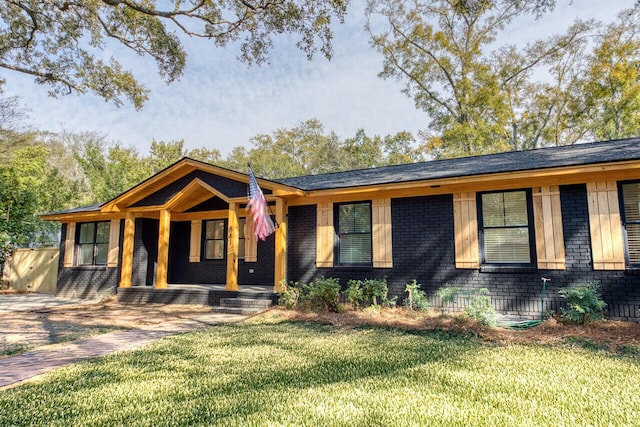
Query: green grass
{"type": "Point", "coordinates": [300, 374]}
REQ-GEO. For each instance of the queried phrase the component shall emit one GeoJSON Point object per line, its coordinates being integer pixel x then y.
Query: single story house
{"type": "Point", "coordinates": [502, 222]}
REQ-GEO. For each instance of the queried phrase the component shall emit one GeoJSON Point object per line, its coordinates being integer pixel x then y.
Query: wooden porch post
{"type": "Point", "coordinates": [127, 250]}
{"type": "Point", "coordinates": [232, 248]}
{"type": "Point", "coordinates": [280, 273]}
{"type": "Point", "coordinates": [163, 249]}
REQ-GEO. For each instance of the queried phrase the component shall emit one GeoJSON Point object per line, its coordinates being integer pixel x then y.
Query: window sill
{"type": "Point", "coordinates": [353, 267]}
{"type": "Point", "coordinates": [89, 267]}
{"type": "Point", "coordinates": [507, 269]}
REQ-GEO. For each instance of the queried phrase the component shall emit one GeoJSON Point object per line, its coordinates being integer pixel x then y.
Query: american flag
{"type": "Point", "coordinates": [262, 224]}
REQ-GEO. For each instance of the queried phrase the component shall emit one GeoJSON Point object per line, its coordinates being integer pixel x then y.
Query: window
{"type": "Point", "coordinates": [631, 220]}
{"type": "Point", "coordinates": [93, 243]}
{"type": "Point", "coordinates": [214, 237]}
{"type": "Point", "coordinates": [505, 227]}
{"type": "Point", "coordinates": [354, 234]}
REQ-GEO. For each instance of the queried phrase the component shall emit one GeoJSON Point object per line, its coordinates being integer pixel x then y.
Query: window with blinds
{"type": "Point", "coordinates": [505, 226]}
{"type": "Point", "coordinates": [214, 239]}
{"type": "Point", "coordinates": [631, 204]}
{"type": "Point", "coordinates": [93, 243]}
{"type": "Point", "coordinates": [354, 233]}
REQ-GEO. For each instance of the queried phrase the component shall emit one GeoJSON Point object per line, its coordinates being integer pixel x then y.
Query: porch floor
{"type": "Point", "coordinates": [219, 287]}
{"type": "Point", "coordinates": [201, 294]}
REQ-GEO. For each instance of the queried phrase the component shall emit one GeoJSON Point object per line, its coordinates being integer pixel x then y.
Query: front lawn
{"type": "Point", "coordinates": [308, 374]}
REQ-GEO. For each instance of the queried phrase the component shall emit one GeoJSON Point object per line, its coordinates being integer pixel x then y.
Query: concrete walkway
{"type": "Point", "coordinates": [29, 302]}
{"type": "Point", "coordinates": [16, 369]}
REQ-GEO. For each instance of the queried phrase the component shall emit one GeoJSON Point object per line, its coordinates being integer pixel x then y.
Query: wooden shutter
{"type": "Point", "coordinates": [250, 243]}
{"type": "Point", "coordinates": [195, 242]}
{"type": "Point", "coordinates": [114, 243]}
{"type": "Point", "coordinates": [324, 235]}
{"type": "Point", "coordinates": [547, 216]}
{"type": "Point", "coordinates": [69, 245]}
{"type": "Point", "coordinates": [381, 233]}
{"type": "Point", "coordinates": [604, 222]}
{"type": "Point", "coordinates": [465, 225]}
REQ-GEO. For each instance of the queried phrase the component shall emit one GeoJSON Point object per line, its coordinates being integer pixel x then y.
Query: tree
{"type": "Point", "coordinates": [609, 95]}
{"type": "Point", "coordinates": [476, 101]}
{"type": "Point", "coordinates": [308, 149]}
{"type": "Point", "coordinates": [60, 42]}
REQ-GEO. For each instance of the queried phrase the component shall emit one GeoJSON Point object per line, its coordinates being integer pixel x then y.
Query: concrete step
{"type": "Point", "coordinates": [245, 303]}
{"type": "Point", "coordinates": [238, 310]}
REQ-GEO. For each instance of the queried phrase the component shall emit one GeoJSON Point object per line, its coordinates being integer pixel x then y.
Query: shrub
{"type": "Point", "coordinates": [417, 298]}
{"type": "Point", "coordinates": [354, 293]}
{"type": "Point", "coordinates": [374, 289]}
{"type": "Point", "coordinates": [448, 296]}
{"type": "Point", "coordinates": [583, 302]}
{"type": "Point", "coordinates": [323, 294]}
{"type": "Point", "coordinates": [289, 295]}
{"type": "Point", "coordinates": [480, 308]}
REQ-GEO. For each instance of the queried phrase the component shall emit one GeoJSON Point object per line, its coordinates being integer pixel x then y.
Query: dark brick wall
{"type": "Point", "coordinates": [86, 282]}
{"type": "Point", "coordinates": [423, 249]}
{"type": "Point", "coordinates": [215, 271]}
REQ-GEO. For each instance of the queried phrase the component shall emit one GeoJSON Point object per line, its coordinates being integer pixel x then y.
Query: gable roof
{"type": "Point", "coordinates": [614, 151]}
{"type": "Point", "coordinates": [513, 161]}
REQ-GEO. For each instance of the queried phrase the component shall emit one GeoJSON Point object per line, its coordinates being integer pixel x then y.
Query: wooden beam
{"type": "Point", "coordinates": [280, 273]}
{"type": "Point", "coordinates": [127, 250]}
{"type": "Point", "coordinates": [163, 249]}
{"type": "Point", "coordinates": [232, 248]}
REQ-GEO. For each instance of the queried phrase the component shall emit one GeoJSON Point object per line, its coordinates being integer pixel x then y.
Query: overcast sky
{"type": "Point", "coordinates": [220, 103]}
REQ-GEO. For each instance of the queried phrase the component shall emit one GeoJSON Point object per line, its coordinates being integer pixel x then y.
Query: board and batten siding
{"type": "Point", "coordinates": [195, 242]}
{"type": "Point", "coordinates": [324, 235]}
{"type": "Point", "coordinates": [381, 233]}
{"type": "Point", "coordinates": [607, 246]}
{"type": "Point", "coordinates": [465, 223]}
{"type": "Point", "coordinates": [69, 245]}
{"type": "Point", "coordinates": [547, 214]}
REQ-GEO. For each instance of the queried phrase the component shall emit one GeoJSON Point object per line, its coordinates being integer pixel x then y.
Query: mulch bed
{"type": "Point", "coordinates": [614, 336]}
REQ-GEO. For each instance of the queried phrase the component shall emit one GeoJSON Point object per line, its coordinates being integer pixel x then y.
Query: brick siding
{"type": "Point", "coordinates": [423, 249]}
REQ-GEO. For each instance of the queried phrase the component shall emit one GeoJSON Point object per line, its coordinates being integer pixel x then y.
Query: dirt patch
{"type": "Point", "coordinates": [615, 336]}
{"type": "Point", "coordinates": [24, 330]}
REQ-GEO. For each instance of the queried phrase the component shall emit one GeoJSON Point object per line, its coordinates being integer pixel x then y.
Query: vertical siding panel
{"type": "Point", "coordinates": [250, 243]}
{"type": "Point", "coordinates": [324, 235]}
{"type": "Point", "coordinates": [195, 243]}
{"type": "Point", "coordinates": [69, 245]}
{"type": "Point", "coordinates": [114, 243]}
{"type": "Point", "coordinates": [548, 228]}
{"type": "Point", "coordinates": [558, 233]}
{"type": "Point", "coordinates": [604, 223]}
{"type": "Point", "coordinates": [381, 239]}
{"type": "Point", "coordinates": [466, 230]}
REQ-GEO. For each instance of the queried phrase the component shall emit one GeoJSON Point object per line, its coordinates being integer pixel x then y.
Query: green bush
{"type": "Point", "coordinates": [448, 296]}
{"type": "Point", "coordinates": [374, 289]}
{"type": "Point", "coordinates": [583, 303]}
{"type": "Point", "coordinates": [322, 294]}
{"type": "Point", "coordinates": [480, 308]}
{"type": "Point", "coordinates": [417, 299]}
{"type": "Point", "coordinates": [354, 293]}
{"type": "Point", "coordinates": [289, 295]}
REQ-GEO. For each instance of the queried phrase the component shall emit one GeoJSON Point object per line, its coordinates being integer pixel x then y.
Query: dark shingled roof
{"type": "Point", "coordinates": [90, 208]}
{"type": "Point", "coordinates": [570, 155]}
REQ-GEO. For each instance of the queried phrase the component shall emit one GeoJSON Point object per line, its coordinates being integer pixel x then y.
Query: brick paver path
{"type": "Point", "coordinates": [16, 369]}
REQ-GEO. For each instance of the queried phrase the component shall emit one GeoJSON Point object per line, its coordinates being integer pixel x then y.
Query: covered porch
{"type": "Point", "coordinates": [178, 206]}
